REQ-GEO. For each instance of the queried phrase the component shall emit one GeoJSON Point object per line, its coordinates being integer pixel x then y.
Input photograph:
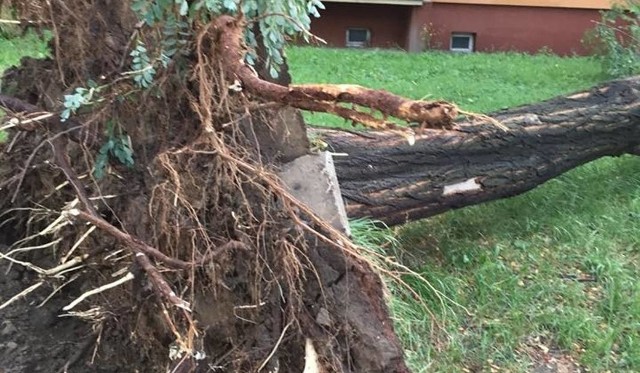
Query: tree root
{"type": "Point", "coordinates": [198, 190]}
{"type": "Point", "coordinates": [324, 97]}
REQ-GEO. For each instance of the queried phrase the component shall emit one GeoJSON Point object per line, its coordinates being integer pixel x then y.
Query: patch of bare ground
{"type": "Point", "coordinates": [546, 357]}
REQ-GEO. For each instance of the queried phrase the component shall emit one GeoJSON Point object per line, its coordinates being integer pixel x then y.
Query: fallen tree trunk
{"type": "Point", "coordinates": [385, 178]}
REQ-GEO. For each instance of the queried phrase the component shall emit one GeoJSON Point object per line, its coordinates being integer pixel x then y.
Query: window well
{"type": "Point", "coordinates": [462, 42]}
{"type": "Point", "coordinates": [358, 37]}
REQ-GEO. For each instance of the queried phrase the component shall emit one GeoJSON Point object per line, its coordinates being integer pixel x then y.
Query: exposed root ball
{"type": "Point", "coordinates": [192, 256]}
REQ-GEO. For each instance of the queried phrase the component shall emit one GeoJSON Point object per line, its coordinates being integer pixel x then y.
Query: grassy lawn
{"type": "Point", "coordinates": [476, 82]}
{"type": "Point", "coordinates": [546, 277]}
{"type": "Point", "coordinates": [552, 273]}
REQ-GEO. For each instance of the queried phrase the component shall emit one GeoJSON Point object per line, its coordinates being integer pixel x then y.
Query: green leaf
{"type": "Point", "coordinates": [184, 8]}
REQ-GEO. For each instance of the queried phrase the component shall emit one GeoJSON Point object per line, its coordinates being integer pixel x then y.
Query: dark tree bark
{"type": "Point", "coordinates": [385, 178]}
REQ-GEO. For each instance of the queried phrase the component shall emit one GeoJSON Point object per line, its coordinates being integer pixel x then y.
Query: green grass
{"type": "Point", "coordinates": [12, 50]}
{"type": "Point", "coordinates": [512, 264]}
{"type": "Point", "coordinates": [476, 82]}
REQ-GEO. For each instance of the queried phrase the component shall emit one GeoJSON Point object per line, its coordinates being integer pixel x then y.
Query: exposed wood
{"type": "Point", "coordinates": [386, 179]}
{"type": "Point", "coordinates": [329, 98]}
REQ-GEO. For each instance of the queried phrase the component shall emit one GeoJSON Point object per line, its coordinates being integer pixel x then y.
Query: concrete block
{"type": "Point", "coordinates": [312, 179]}
{"type": "Point", "coordinates": [279, 135]}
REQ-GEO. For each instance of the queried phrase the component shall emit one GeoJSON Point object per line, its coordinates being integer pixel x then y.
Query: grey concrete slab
{"type": "Point", "coordinates": [312, 179]}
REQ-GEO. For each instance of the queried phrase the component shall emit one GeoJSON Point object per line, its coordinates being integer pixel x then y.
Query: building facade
{"type": "Point", "coordinates": [556, 26]}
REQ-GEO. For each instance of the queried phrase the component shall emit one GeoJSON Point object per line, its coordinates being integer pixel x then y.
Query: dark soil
{"type": "Point", "coordinates": [38, 339]}
{"type": "Point", "coordinates": [257, 275]}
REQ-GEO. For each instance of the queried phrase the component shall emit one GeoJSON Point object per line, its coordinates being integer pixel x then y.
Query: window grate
{"type": "Point", "coordinates": [358, 37]}
{"type": "Point", "coordinates": [462, 42]}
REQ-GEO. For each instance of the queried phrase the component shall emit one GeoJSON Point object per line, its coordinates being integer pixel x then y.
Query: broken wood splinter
{"type": "Point", "coordinates": [327, 97]}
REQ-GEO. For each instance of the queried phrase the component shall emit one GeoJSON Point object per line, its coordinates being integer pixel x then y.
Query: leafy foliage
{"type": "Point", "coordinates": [73, 102]}
{"type": "Point", "coordinates": [276, 20]}
{"type": "Point", "coordinates": [169, 22]}
{"type": "Point", "coordinates": [166, 38]}
{"type": "Point", "coordinates": [279, 20]}
{"type": "Point", "coordinates": [118, 146]}
{"type": "Point", "coordinates": [616, 39]}
{"type": "Point", "coordinates": [143, 70]}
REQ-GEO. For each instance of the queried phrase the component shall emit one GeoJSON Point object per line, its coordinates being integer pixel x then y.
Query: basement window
{"type": "Point", "coordinates": [358, 37]}
{"type": "Point", "coordinates": [462, 42]}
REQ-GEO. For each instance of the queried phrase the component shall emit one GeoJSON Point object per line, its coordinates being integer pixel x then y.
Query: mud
{"type": "Point", "coordinates": [36, 338]}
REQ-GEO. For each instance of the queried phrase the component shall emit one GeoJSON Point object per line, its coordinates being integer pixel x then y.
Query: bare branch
{"type": "Point", "coordinates": [325, 97]}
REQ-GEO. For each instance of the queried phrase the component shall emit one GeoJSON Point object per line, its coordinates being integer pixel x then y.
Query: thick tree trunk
{"type": "Point", "coordinates": [385, 178]}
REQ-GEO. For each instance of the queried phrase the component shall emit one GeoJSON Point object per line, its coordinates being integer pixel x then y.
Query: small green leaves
{"type": "Point", "coordinates": [230, 6]}
{"type": "Point", "coordinates": [73, 102]}
{"type": "Point", "coordinates": [276, 20]}
{"type": "Point", "coordinates": [616, 39]}
{"type": "Point", "coordinates": [184, 7]}
{"type": "Point", "coordinates": [175, 36]}
{"type": "Point", "coordinates": [143, 70]}
{"type": "Point", "coordinates": [118, 146]}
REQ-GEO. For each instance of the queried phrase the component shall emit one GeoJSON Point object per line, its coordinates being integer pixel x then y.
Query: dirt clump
{"type": "Point", "coordinates": [162, 240]}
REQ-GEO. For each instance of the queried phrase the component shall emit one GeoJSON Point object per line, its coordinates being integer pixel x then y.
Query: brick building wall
{"type": "Point", "coordinates": [493, 25]}
{"type": "Point", "coordinates": [388, 24]}
{"type": "Point", "coordinates": [506, 28]}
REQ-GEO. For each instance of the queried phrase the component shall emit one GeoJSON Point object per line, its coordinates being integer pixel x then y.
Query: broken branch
{"type": "Point", "coordinates": [325, 97]}
{"type": "Point", "coordinates": [135, 244]}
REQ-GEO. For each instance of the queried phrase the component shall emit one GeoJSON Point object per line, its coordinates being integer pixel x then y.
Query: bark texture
{"type": "Point", "coordinates": [385, 178]}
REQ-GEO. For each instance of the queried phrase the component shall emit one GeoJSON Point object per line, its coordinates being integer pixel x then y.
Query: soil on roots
{"type": "Point", "coordinates": [257, 292]}
{"type": "Point", "coordinates": [34, 338]}
{"type": "Point", "coordinates": [195, 208]}
{"type": "Point", "coordinates": [229, 272]}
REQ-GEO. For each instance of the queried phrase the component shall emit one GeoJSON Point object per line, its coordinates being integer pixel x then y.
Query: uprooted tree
{"type": "Point", "coordinates": [133, 181]}
{"type": "Point", "coordinates": [140, 164]}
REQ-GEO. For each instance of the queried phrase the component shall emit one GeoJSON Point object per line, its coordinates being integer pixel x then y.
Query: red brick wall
{"type": "Point", "coordinates": [497, 27]}
{"type": "Point", "coordinates": [506, 28]}
{"type": "Point", "coordinates": [388, 24]}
